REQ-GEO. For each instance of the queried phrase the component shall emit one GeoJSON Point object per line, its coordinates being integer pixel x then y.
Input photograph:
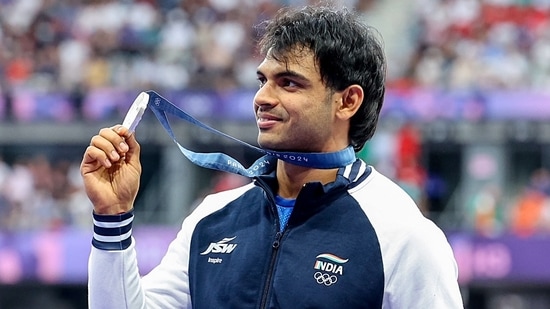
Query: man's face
{"type": "Point", "coordinates": [294, 110]}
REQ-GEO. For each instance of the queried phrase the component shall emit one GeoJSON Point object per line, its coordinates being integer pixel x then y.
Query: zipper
{"type": "Point", "coordinates": [275, 248]}
{"type": "Point", "coordinates": [275, 245]}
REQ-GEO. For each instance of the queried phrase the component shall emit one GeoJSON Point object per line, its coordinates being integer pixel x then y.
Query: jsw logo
{"type": "Point", "coordinates": [221, 246]}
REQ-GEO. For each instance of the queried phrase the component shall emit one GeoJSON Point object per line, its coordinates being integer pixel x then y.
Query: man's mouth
{"type": "Point", "coordinates": [265, 121]}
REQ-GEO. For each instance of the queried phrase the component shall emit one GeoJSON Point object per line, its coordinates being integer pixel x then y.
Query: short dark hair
{"type": "Point", "coordinates": [346, 50]}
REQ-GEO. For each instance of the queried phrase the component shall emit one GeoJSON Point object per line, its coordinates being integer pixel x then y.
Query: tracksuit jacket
{"type": "Point", "coordinates": [358, 242]}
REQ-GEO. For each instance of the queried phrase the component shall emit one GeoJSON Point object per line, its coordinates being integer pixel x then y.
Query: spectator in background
{"type": "Point", "coordinates": [409, 172]}
{"type": "Point", "coordinates": [531, 211]}
{"type": "Point", "coordinates": [486, 211]}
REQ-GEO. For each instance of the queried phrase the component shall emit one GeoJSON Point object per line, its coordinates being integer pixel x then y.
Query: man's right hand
{"type": "Point", "coordinates": [111, 170]}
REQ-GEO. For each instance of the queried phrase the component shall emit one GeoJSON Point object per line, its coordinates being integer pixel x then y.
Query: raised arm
{"type": "Point", "coordinates": [111, 171]}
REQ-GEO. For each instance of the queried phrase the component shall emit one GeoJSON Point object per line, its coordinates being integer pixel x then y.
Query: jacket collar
{"type": "Point", "coordinates": [347, 176]}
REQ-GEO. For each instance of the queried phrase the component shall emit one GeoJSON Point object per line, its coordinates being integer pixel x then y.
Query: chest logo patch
{"type": "Point", "coordinates": [329, 268]}
{"type": "Point", "coordinates": [222, 246]}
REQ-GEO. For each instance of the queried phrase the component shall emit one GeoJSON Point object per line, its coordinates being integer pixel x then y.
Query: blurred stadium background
{"type": "Point", "coordinates": [465, 128]}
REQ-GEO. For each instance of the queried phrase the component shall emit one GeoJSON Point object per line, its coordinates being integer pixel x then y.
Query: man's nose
{"type": "Point", "coordinates": [265, 95]}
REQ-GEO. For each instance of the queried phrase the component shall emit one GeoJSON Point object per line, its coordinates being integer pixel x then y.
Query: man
{"type": "Point", "coordinates": [297, 237]}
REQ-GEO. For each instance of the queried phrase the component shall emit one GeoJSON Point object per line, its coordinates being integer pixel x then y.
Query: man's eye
{"type": "Point", "coordinates": [261, 82]}
{"type": "Point", "coordinates": [289, 83]}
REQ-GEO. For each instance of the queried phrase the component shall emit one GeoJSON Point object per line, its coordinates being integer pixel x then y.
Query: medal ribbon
{"type": "Point", "coordinates": [223, 162]}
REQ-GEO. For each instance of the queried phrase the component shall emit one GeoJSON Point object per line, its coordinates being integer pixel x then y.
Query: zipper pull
{"type": "Point", "coordinates": [277, 241]}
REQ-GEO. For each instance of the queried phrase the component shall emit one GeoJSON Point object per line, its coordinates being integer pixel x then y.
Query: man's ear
{"type": "Point", "coordinates": [352, 98]}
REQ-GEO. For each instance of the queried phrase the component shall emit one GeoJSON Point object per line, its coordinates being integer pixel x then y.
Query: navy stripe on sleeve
{"type": "Point", "coordinates": [113, 232]}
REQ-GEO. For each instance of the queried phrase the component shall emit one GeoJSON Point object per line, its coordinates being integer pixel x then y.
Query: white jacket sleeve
{"type": "Point", "coordinates": [424, 273]}
{"type": "Point", "coordinates": [115, 282]}
{"type": "Point", "coordinates": [419, 265]}
{"type": "Point", "coordinates": [113, 279]}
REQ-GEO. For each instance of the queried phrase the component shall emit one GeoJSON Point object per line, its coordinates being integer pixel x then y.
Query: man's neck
{"type": "Point", "coordinates": [291, 178]}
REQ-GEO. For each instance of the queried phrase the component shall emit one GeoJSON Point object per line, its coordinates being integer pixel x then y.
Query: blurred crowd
{"type": "Point", "coordinates": [37, 193]}
{"type": "Point", "coordinates": [485, 44]}
{"type": "Point", "coordinates": [77, 46]}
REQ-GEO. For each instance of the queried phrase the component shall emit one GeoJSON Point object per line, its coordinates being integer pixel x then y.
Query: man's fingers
{"type": "Point", "coordinates": [94, 156]}
{"type": "Point", "coordinates": [111, 143]}
{"type": "Point", "coordinates": [119, 140]}
{"type": "Point", "coordinates": [105, 146]}
{"type": "Point", "coordinates": [109, 146]}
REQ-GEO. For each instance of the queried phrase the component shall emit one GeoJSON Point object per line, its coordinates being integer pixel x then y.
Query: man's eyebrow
{"type": "Point", "coordinates": [286, 73]}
